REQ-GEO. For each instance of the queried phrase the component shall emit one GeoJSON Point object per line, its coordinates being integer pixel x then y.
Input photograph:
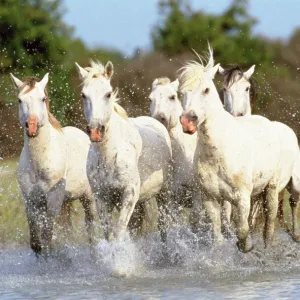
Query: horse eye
{"type": "Point", "coordinates": [20, 101]}
{"type": "Point", "coordinates": [150, 100]}
{"type": "Point", "coordinates": [206, 91]}
{"type": "Point", "coordinates": [44, 99]}
{"type": "Point", "coordinates": [83, 96]}
{"type": "Point", "coordinates": [247, 89]}
{"type": "Point", "coordinates": [173, 97]}
{"type": "Point", "coordinates": [108, 95]}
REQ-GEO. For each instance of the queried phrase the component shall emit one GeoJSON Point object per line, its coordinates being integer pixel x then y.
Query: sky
{"type": "Point", "coordinates": [127, 24]}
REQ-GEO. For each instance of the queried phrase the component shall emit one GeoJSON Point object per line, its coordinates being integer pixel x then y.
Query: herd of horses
{"type": "Point", "coordinates": [195, 152]}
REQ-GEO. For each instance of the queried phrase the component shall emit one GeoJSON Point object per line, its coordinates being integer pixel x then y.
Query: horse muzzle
{"type": "Point", "coordinates": [96, 134]}
{"type": "Point", "coordinates": [32, 126]}
{"type": "Point", "coordinates": [237, 114]}
{"type": "Point", "coordinates": [189, 125]}
{"type": "Point", "coordinates": [161, 117]}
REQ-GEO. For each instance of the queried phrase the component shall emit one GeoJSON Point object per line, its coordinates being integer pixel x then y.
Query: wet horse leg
{"type": "Point", "coordinates": [89, 222]}
{"type": "Point", "coordinates": [294, 202]}
{"type": "Point", "coordinates": [213, 211]}
{"type": "Point", "coordinates": [136, 221]}
{"type": "Point", "coordinates": [226, 219]}
{"type": "Point", "coordinates": [270, 204]}
{"type": "Point", "coordinates": [244, 243]}
{"type": "Point", "coordinates": [280, 214]}
{"type": "Point", "coordinates": [35, 242]}
{"type": "Point", "coordinates": [129, 199]}
{"type": "Point", "coordinates": [54, 201]}
{"type": "Point", "coordinates": [104, 210]}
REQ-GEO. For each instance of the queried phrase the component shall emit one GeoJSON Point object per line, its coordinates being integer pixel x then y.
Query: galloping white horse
{"type": "Point", "coordinates": [129, 160]}
{"type": "Point", "coordinates": [236, 158]}
{"type": "Point", "coordinates": [239, 93]}
{"type": "Point", "coordinates": [166, 108]}
{"type": "Point", "coordinates": [52, 166]}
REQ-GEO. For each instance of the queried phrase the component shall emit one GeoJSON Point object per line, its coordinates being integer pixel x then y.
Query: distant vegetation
{"type": "Point", "coordinates": [35, 40]}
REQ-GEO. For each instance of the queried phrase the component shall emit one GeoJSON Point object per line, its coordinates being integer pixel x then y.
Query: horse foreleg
{"type": "Point", "coordinates": [136, 221]}
{"type": "Point", "coordinates": [54, 202]}
{"type": "Point", "coordinates": [226, 219]}
{"type": "Point", "coordinates": [195, 216]}
{"type": "Point", "coordinates": [35, 242]}
{"type": "Point", "coordinates": [104, 210]}
{"type": "Point", "coordinates": [244, 243]}
{"type": "Point", "coordinates": [270, 211]}
{"type": "Point", "coordinates": [280, 214]}
{"type": "Point", "coordinates": [89, 222]}
{"type": "Point", "coordinates": [213, 211]}
{"type": "Point", "coordinates": [129, 199]}
{"type": "Point", "coordinates": [294, 201]}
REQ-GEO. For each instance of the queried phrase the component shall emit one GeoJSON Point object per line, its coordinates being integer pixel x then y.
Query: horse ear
{"type": "Point", "coordinates": [154, 84]}
{"type": "Point", "coordinates": [109, 70]}
{"type": "Point", "coordinates": [221, 70]}
{"type": "Point", "coordinates": [16, 82]}
{"type": "Point", "coordinates": [213, 71]}
{"type": "Point", "coordinates": [175, 84]}
{"type": "Point", "coordinates": [248, 73]}
{"type": "Point", "coordinates": [44, 81]}
{"type": "Point", "coordinates": [81, 71]}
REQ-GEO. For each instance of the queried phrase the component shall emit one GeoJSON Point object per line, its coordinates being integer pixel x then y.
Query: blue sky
{"type": "Point", "coordinates": [127, 24]}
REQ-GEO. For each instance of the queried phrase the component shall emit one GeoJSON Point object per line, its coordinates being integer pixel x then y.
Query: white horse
{"type": "Point", "coordinates": [129, 160]}
{"type": "Point", "coordinates": [240, 92]}
{"type": "Point", "coordinates": [166, 108]}
{"type": "Point", "coordinates": [236, 158]}
{"type": "Point", "coordinates": [52, 166]}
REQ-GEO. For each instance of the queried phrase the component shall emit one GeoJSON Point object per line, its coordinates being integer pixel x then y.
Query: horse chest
{"type": "Point", "coordinates": [211, 177]}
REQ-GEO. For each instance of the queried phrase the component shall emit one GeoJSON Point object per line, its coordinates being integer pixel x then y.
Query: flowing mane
{"type": "Point", "coordinates": [30, 81]}
{"type": "Point", "coordinates": [163, 81]}
{"type": "Point", "coordinates": [117, 107]}
{"type": "Point", "coordinates": [192, 73]}
{"type": "Point", "coordinates": [95, 70]}
{"type": "Point", "coordinates": [233, 74]}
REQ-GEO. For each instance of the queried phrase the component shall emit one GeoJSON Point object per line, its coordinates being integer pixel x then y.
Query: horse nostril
{"type": "Point", "coordinates": [88, 129]}
{"type": "Point", "coordinates": [192, 116]}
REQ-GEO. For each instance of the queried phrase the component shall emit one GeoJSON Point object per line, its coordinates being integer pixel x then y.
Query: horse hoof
{"type": "Point", "coordinates": [296, 238]}
{"type": "Point", "coordinates": [243, 247]}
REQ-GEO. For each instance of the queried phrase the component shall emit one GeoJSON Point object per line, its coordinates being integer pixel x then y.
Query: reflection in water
{"type": "Point", "coordinates": [195, 270]}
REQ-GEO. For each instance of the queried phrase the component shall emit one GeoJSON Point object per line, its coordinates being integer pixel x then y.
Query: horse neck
{"type": "Point", "coordinates": [48, 139]}
{"type": "Point", "coordinates": [183, 145]}
{"type": "Point", "coordinates": [210, 131]}
{"type": "Point", "coordinates": [113, 135]}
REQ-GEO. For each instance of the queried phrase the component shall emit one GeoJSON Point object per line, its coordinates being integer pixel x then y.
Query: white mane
{"type": "Point", "coordinates": [95, 70]}
{"type": "Point", "coordinates": [163, 81]}
{"type": "Point", "coordinates": [193, 72]}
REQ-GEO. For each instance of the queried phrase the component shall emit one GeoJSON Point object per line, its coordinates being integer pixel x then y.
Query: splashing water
{"type": "Point", "coordinates": [136, 269]}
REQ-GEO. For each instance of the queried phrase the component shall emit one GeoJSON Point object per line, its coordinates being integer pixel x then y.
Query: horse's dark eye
{"type": "Point", "coordinates": [206, 91]}
{"type": "Point", "coordinates": [173, 97]}
{"type": "Point", "coordinates": [20, 101]}
{"type": "Point", "coordinates": [247, 89]}
{"type": "Point", "coordinates": [44, 99]}
{"type": "Point", "coordinates": [108, 95]}
{"type": "Point", "coordinates": [149, 99]}
{"type": "Point", "coordinates": [83, 96]}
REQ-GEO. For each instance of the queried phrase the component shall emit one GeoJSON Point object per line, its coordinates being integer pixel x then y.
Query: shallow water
{"type": "Point", "coordinates": [135, 270]}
